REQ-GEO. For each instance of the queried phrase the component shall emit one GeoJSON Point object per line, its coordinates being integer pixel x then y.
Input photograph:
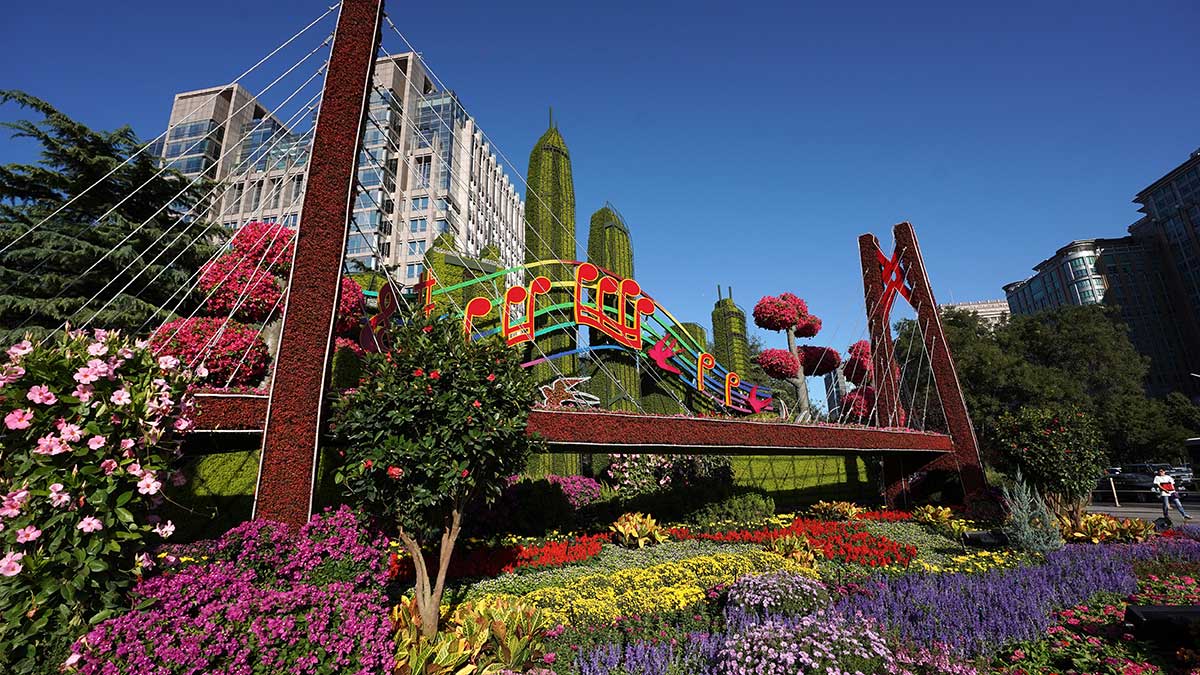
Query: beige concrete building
{"type": "Point", "coordinates": [425, 168]}
{"type": "Point", "coordinates": [991, 311]}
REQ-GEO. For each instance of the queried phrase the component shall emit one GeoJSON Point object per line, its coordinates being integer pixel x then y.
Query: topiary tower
{"type": "Point", "coordinates": [609, 247]}
{"type": "Point", "coordinates": [663, 395]}
{"type": "Point", "coordinates": [730, 345]}
{"type": "Point", "coordinates": [550, 235]}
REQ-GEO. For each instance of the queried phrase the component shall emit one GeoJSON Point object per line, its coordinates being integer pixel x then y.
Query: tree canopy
{"type": "Point", "coordinates": [1069, 358]}
{"type": "Point", "coordinates": [124, 241]}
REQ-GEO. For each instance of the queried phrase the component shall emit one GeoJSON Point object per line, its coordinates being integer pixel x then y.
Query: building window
{"type": "Point", "coordinates": [423, 166]}
{"type": "Point", "coordinates": [417, 225]}
{"type": "Point", "coordinates": [414, 271]}
{"type": "Point", "coordinates": [442, 226]}
{"type": "Point", "coordinates": [420, 203]}
{"type": "Point", "coordinates": [416, 248]}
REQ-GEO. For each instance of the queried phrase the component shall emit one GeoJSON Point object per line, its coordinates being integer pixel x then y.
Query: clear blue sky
{"type": "Point", "coordinates": [746, 143]}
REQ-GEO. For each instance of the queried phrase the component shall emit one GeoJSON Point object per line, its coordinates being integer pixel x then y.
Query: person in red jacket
{"type": "Point", "coordinates": [1166, 489]}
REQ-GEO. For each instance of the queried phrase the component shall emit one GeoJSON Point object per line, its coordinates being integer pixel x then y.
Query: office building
{"type": "Point", "coordinates": [424, 169]}
{"type": "Point", "coordinates": [992, 312]}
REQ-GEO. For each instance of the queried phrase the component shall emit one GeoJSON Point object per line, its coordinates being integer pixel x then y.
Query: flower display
{"type": "Point", "coordinates": [835, 540]}
{"type": "Point", "coordinates": [231, 353]}
{"type": "Point", "coordinates": [76, 516]}
{"type": "Point", "coordinates": [819, 361]}
{"type": "Point", "coordinates": [352, 306]}
{"type": "Point", "coordinates": [778, 363]}
{"type": "Point", "coordinates": [239, 288]}
{"type": "Point", "coordinates": [270, 243]}
{"type": "Point", "coordinates": [495, 560]}
{"type": "Point", "coordinates": [811, 644]}
{"type": "Point", "coordinates": [779, 592]}
{"type": "Point", "coordinates": [776, 313]}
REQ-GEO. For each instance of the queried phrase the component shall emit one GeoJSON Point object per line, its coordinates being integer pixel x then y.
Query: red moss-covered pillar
{"type": "Point", "coordinates": [965, 460]}
{"type": "Point", "coordinates": [288, 463]}
{"type": "Point", "coordinates": [904, 275]}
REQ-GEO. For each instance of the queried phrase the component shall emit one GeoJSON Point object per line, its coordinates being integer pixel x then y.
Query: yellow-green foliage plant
{"type": "Point", "coordinates": [658, 589]}
{"type": "Point", "coordinates": [637, 530]}
{"type": "Point", "coordinates": [941, 519]}
{"type": "Point", "coordinates": [797, 549]}
{"type": "Point", "coordinates": [824, 510]}
{"type": "Point", "coordinates": [479, 638]}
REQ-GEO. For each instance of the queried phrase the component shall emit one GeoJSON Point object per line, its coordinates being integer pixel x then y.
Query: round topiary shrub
{"type": "Point", "coordinates": [778, 363]}
{"type": "Point", "coordinates": [268, 243]}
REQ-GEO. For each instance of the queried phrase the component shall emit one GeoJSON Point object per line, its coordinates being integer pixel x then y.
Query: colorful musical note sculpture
{"type": "Point", "coordinates": [477, 307]}
{"type": "Point", "coordinates": [661, 351]}
{"type": "Point", "coordinates": [704, 363]}
{"type": "Point", "coordinates": [523, 331]}
{"type": "Point", "coordinates": [731, 382]}
{"type": "Point", "coordinates": [626, 328]}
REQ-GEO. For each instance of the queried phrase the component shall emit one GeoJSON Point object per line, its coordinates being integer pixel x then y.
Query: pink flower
{"type": "Point", "coordinates": [10, 508]}
{"type": "Point", "coordinates": [19, 419]}
{"type": "Point", "coordinates": [99, 367]}
{"type": "Point", "coordinates": [97, 349]}
{"type": "Point", "coordinates": [90, 524]}
{"type": "Point", "coordinates": [147, 485]}
{"type": "Point", "coordinates": [72, 660]}
{"type": "Point", "coordinates": [135, 469]}
{"type": "Point", "coordinates": [59, 499]}
{"type": "Point", "coordinates": [183, 424]}
{"type": "Point", "coordinates": [121, 397]}
{"type": "Point", "coordinates": [18, 350]}
{"type": "Point", "coordinates": [9, 566]}
{"type": "Point", "coordinates": [48, 445]}
{"type": "Point", "coordinates": [26, 534]}
{"type": "Point", "coordinates": [164, 530]}
{"type": "Point", "coordinates": [144, 561]}
{"type": "Point", "coordinates": [41, 394]}
{"type": "Point", "coordinates": [10, 374]}
{"type": "Point", "coordinates": [83, 392]}
{"type": "Point", "coordinates": [85, 376]}
{"type": "Point", "coordinates": [71, 432]}
{"type": "Point", "coordinates": [109, 466]}
{"type": "Point", "coordinates": [96, 442]}
{"type": "Point", "coordinates": [168, 362]}
{"type": "Point", "coordinates": [126, 443]}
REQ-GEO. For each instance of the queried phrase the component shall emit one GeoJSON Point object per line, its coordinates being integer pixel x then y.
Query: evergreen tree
{"type": "Point", "coordinates": [49, 272]}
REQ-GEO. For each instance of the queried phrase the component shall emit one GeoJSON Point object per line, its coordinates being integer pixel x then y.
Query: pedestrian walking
{"type": "Point", "coordinates": [1165, 485]}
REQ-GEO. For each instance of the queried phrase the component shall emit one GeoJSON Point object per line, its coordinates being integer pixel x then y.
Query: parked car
{"type": "Point", "coordinates": [1136, 481]}
{"type": "Point", "coordinates": [1183, 475]}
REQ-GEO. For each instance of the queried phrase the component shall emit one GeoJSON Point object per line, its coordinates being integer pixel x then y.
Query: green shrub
{"type": "Point", "coordinates": [745, 508]}
{"type": "Point", "coordinates": [1030, 526]}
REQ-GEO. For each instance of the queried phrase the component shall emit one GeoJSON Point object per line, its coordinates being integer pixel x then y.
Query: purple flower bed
{"type": "Point", "coordinates": [264, 601]}
{"type": "Point", "coordinates": [580, 490]}
{"type": "Point", "coordinates": [1190, 531]}
{"type": "Point", "coordinates": [979, 613]}
{"type": "Point", "coordinates": [695, 654]}
{"type": "Point", "coordinates": [780, 593]}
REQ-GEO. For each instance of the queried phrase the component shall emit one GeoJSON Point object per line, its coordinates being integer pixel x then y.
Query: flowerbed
{"type": "Point", "coordinates": [493, 561]}
{"type": "Point", "coordinates": [836, 541]}
{"type": "Point", "coordinates": [602, 598]}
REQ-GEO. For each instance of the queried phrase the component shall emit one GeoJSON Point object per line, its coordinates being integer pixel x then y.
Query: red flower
{"type": "Point", "coordinates": [491, 377]}
{"type": "Point", "coordinates": [464, 473]}
{"type": "Point", "coordinates": [477, 403]}
{"type": "Point", "coordinates": [395, 472]}
{"type": "Point", "coordinates": [428, 329]}
{"type": "Point", "coordinates": [433, 374]}
{"type": "Point", "coordinates": [367, 464]}
{"type": "Point", "coordinates": [418, 372]}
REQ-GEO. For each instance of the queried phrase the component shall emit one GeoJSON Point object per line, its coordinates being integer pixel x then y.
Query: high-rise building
{"type": "Point", "coordinates": [992, 312]}
{"type": "Point", "coordinates": [614, 372]}
{"type": "Point", "coordinates": [550, 235]}
{"type": "Point", "coordinates": [836, 388]}
{"type": "Point", "coordinates": [425, 169]}
{"type": "Point", "coordinates": [1125, 273]}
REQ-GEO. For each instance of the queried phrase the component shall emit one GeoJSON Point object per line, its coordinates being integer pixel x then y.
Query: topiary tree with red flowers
{"type": "Point", "coordinates": [786, 313]}
{"type": "Point", "coordinates": [432, 428]}
{"type": "Point", "coordinates": [858, 406]}
{"type": "Point", "coordinates": [232, 354]}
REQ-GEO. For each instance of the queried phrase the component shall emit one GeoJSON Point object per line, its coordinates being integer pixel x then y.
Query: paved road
{"type": "Point", "coordinates": [1148, 511]}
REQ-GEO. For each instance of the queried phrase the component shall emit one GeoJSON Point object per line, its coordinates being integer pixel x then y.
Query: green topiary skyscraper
{"type": "Point", "coordinates": [730, 344]}
{"type": "Point", "coordinates": [550, 235]}
{"type": "Point", "coordinates": [614, 372]}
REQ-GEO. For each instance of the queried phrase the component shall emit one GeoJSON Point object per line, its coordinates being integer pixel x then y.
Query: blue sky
{"type": "Point", "coordinates": [747, 144]}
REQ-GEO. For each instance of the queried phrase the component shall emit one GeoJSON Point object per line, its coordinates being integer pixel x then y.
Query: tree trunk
{"type": "Point", "coordinates": [429, 598]}
{"type": "Point", "coordinates": [799, 382]}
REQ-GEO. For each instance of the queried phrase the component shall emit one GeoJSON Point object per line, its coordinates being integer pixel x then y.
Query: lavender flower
{"type": "Point", "coordinates": [780, 592]}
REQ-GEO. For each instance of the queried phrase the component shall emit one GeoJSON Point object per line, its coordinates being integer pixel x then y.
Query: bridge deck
{"type": "Point", "coordinates": [570, 430]}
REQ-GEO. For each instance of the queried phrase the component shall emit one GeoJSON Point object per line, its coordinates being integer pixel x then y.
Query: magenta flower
{"type": "Point", "coordinates": [83, 392]}
{"type": "Point", "coordinates": [97, 349]}
{"type": "Point", "coordinates": [71, 432]}
{"type": "Point", "coordinates": [20, 349]}
{"type": "Point", "coordinates": [27, 534]}
{"type": "Point", "coordinates": [168, 362]}
{"type": "Point", "coordinates": [121, 397]}
{"type": "Point", "coordinates": [96, 442]}
{"type": "Point", "coordinates": [147, 485]}
{"type": "Point", "coordinates": [164, 530]}
{"type": "Point", "coordinates": [109, 466]}
{"type": "Point", "coordinates": [10, 374]}
{"type": "Point", "coordinates": [19, 419]}
{"type": "Point", "coordinates": [90, 524]}
{"type": "Point", "coordinates": [85, 375]}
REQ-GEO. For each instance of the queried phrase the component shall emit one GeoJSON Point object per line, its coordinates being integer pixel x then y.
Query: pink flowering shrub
{"type": "Point", "coordinates": [352, 306]}
{"type": "Point", "coordinates": [775, 313]}
{"type": "Point", "coordinates": [270, 243]}
{"type": "Point", "coordinates": [236, 357]}
{"type": "Point", "coordinates": [819, 361]}
{"type": "Point", "coordinates": [90, 428]}
{"type": "Point", "coordinates": [644, 474]}
{"type": "Point", "coordinates": [241, 288]}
